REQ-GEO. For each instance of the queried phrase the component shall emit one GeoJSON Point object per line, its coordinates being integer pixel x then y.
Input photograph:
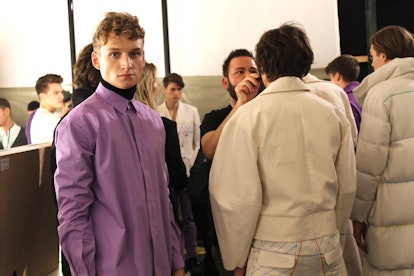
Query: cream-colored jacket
{"type": "Point", "coordinates": [336, 96]}
{"type": "Point", "coordinates": [284, 170]}
{"type": "Point", "coordinates": [385, 165]}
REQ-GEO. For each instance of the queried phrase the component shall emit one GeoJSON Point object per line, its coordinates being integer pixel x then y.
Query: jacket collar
{"type": "Point", "coordinates": [285, 84]}
{"type": "Point", "coordinates": [394, 68]}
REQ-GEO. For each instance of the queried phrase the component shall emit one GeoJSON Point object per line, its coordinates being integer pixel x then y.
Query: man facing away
{"type": "Point", "coordinates": [344, 72]}
{"type": "Point", "coordinates": [11, 134]}
{"type": "Point", "coordinates": [282, 180]}
{"type": "Point", "coordinates": [50, 92]}
{"type": "Point", "coordinates": [115, 217]}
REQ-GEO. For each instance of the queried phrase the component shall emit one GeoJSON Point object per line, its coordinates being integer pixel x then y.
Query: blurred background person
{"type": "Point", "coordinates": [11, 134]}
{"type": "Point", "coordinates": [50, 92]}
{"type": "Point", "coordinates": [344, 72]}
{"type": "Point", "coordinates": [32, 106]}
{"type": "Point", "coordinates": [67, 103]}
{"type": "Point", "coordinates": [31, 110]}
{"type": "Point", "coordinates": [85, 77]}
{"type": "Point", "coordinates": [188, 127]}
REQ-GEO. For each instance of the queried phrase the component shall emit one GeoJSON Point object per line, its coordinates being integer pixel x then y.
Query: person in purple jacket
{"type": "Point", "coordinates": [111, 181]}
{"type": "Point", "coordinates": [344, 72]}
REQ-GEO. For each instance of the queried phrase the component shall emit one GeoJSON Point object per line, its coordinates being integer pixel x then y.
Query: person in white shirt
{"type": "Point", "coordinates": [188, 127]}
{"type": "Point", "coordinates": [50, 92]}
{"type": "Point", "coordinates": [186, 116]}
{"type": "Point", "coordinates": [11, 134]}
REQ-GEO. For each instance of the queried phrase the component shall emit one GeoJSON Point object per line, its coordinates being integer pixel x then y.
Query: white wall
{"type": "Point", "coordinates": [202, 33]}
{"type": "Point", "coordinates": [34, 41]}
{"type": "Point", "coordinates": [35, 37]}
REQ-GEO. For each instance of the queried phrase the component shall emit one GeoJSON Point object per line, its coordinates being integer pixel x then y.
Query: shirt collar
{"type": "Point", "coordinates": [118, 102]}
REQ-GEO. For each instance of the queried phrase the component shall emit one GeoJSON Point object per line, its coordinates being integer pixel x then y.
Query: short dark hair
{"type": "Point", "coordinates": [393, 41]}
{"type": "Point", "coordinates": [234, 54]}
{"type": "Point", "coordinates": [4, 103]}
{"type": "Point", "coordinates": [43, 82]}
{"type": "Point", "coordinates": [175, 78]}
{"type": "Point", "coordinates": [285, 51]}
{"type": "Point", "coordinates": [33, 105]}
{"type": "Point", "coordinates": [346, 65]}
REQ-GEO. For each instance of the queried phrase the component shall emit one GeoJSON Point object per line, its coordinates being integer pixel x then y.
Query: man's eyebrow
{"type": "Point", "coordinates": [119, 49]}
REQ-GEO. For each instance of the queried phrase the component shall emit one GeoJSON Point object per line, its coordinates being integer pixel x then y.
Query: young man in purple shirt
{"type": "Point", "coordinates": [344, 72]}
{"type": "Point", "coordinates": [111, 181]}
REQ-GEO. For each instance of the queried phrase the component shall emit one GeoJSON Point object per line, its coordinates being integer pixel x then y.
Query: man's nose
{"type": "Point", "coordinates": [246, 73]}
{"type": "Point", "coordinates": [126, 61]}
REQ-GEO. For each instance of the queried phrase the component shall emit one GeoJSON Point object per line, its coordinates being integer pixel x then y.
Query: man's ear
{"type": "Point", "coordinates": [225, 82]}
{"type": "Point", "coordinates": [95, 60]}
{"type": "Point", "coordinates": [383, 57]}
{"type": "Point", "coordinates": [42, 96]}
{"type": "Point", "coordinates": [7, 111]}
{"type": "Point", "coordinates": [337, 76]}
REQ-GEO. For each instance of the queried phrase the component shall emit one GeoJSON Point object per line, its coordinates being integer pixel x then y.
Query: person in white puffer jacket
{"type": "Point", "coordinates": [384, 156]}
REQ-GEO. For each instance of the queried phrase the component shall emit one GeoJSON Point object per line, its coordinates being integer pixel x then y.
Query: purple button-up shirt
{"type": "Point", "coordinates": [356, 107]}
{"type": "Point", "coordinates": [115, 217]}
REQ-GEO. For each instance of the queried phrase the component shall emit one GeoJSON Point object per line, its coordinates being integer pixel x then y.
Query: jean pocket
{"type": "Point", "coordinates": [275, 259]}
{"type": "Point", "coordinates": [333, 256]}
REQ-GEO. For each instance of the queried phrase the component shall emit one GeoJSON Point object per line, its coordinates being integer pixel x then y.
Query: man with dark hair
{"type": "Point", "coordinates": [50, 92]}
{"type": "Point", "coordinates": [188, 128]}
{"type": "Point", "coordinates": [283, 182]}
{"type": "Point", "coordinates": [239, 68]}
{"type": "Point", "coordinates": [344, 72]}
{"type": "Point", "coordinates": [32, 106]}
{"type": "Point", "coordinates": [173, 78]}
{"type": "Point", "coordinates": [11, 135]}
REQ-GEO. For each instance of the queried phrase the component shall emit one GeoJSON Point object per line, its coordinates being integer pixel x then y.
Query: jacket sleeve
{"type": "Point", "coordinates": [371, 156]}
{"type": "Point", "coordinates": [196, 138]}
{"type": "Point", "coordinates": [350, 116]}
{"type": "Point", "coordinates": [346, 174]}
{"type": "Point", "coordinates": [73, 181]}
{"type": "Point", "coordinates": [236, 195]}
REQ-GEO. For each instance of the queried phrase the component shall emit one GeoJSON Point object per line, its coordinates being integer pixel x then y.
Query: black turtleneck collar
{"type": "Point", "coordinates": [126, 93]}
